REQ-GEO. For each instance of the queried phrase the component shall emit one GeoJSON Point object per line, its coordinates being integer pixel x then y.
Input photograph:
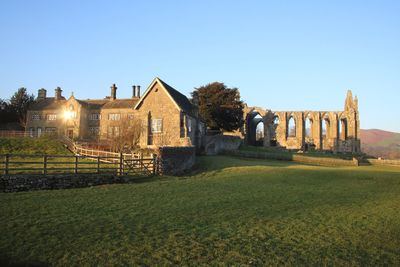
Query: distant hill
{"type": "Point", "coordinates": [379, 143]}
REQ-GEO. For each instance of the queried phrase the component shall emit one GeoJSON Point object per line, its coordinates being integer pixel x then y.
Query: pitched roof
{"type": "Point", "coordinates": [46, 104]}
{"type": "Point", "coordinates": [180, 100]}
{"type": "Point", "coordinates": [93, 103]}
{"type": "Point", "coordinates": [121, 103]}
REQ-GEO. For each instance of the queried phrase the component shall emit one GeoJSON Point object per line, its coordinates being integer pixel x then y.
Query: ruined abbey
{"type": "Point", "coordinates": [337, 131]}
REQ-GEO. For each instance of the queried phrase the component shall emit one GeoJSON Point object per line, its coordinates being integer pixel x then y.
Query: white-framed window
{"type": "Point", "coordinates": [94, 130]}
{"type": "Point", "coordinates": [156, 125]}
{"type": "Point", "coordinates": [39, 131]}
{"type": "Point", "coordinates": [36, 117]}
{"type": "Point", "coordinates": [130, 116]}
{"type": "Point", "coordinates": [113, 131]}
{"type": "Point", "coordinates": [114, 116]}
{"type": "Point", "coordinates": [94, 116]}
{"type": "Point", "coordinates": [31, 132]}
{"type": "Point", "coordinates": [51, 117]}
{"type": "Point", "coordinates": [189, 122]}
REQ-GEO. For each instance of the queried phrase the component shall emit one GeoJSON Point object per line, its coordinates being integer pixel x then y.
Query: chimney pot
{"type": "Point", "coordinates": [41, 93]}
{"type": "Point", "coordinates": [133, 91]}
{"type": "Point", "coordinates": [57, 94]}
{"type": "Point", "coordinates": [113, 91]}
{"type": "Point", "coordinates": [138, 91]}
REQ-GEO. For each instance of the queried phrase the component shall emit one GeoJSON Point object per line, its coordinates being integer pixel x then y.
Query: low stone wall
{"type": "Point", "coordinates": [322, 161]}
{"type": "Point", "coordinates": [386, 162]}
{"type": "Point", "coordinates": [218, 143]}
{"type": "Point", "coordinates": [23, 182]}
{"type": "Point", "coordinates": [176, 160]}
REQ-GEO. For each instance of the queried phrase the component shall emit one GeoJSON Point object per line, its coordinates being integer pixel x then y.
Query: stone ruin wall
{"type": "Point", "coordinates": [342, 128]}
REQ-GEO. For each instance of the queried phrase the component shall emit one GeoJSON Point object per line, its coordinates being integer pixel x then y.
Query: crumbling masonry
{"type": "Point", "coordinates": [337, 131]}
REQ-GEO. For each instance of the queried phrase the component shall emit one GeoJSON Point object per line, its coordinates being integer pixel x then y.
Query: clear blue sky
{"type": "Point", "coordinates": [282, 55]}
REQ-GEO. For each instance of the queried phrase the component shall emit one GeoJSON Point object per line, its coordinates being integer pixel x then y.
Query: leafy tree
{"type": "Point", "coordinates": [219, 106]}
{"type": "Point", "coordinates": [6, 114]}
{"type": "Point", "coordinates": [19, 103]}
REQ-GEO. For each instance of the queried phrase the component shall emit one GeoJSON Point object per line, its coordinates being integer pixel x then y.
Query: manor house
{"type": "Point", "coordinates": [165, 116]}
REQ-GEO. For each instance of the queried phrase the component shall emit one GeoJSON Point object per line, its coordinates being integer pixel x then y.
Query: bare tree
{"type": "Point", "coordinates": [128, 136]}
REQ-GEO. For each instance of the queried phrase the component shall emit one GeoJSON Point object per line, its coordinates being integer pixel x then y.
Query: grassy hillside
{"type": "Point", "coordinates": [44, 145]}
{"type": "Point", "coordinates": [233, 211]}
{"type": "Point", "coordinates": [380, 143]}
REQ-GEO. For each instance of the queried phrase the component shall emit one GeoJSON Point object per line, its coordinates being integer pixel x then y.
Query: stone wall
{"type": "Point", "coordinates": [322, 161]}
{"type": "Point", "coordinates": [16, 183]}
{"type": "Point", "coordinates": [337, 131]}
{"type": "Point", "coordinates": [384, 162]}
{"type": "Point", "coordinates": [216, 143]}
{"type": "Point", "coordinates": [176, 160]}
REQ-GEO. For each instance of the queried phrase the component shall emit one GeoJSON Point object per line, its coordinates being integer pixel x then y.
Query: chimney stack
{"type": "Point", "coordinates": [113, 92]}
{"type": "Point", "coordinates": [133, 91]}
{"type": "Point", "coordinates": [138, 91]}
{"type": "Point", "coordinates": [57, 94]}
{"type": "Point", "coordinates": [41, 93]}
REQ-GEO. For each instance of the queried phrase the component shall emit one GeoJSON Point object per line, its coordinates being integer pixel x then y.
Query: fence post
{"type": "Point", "coordinates": [76, 165]}
{"type": "Point", "coordinates": [44, 164]}
{"type": "Point", "coordinates": [154, 164]}
{"type": "Point", "coordinates": [121, 163]}
{"type": "Point", "coordinates": [98, 164]}
{"type": "Point", "coordinates": [6, 162]}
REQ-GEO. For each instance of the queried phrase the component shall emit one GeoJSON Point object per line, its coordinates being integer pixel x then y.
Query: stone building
{"type": "Point", "coordinates": [337, 131]}
{"type": "Point", "coordinates": [167, 117]}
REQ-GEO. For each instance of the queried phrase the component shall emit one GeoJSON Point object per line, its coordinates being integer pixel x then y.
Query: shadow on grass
{"type": "Point", "coordinates": [7, 262]}
{"type": "Point", "coordinates": [219, 163]}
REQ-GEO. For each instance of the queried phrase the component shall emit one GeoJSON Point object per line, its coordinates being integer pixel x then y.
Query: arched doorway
{"type": "Point", "coordinates": [343, 129]}
{"type": "Point", "coordinates": [255, 129]}
{"type": "Point", "coordinates": [308, 134]}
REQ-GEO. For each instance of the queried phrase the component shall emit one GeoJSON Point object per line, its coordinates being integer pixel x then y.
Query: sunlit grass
{"type": "Point", "coordinates": [231, 211]}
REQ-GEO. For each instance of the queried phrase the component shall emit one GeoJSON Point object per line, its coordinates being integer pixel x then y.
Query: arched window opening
{"type": "Point", "coordinates": [308, 127]}
{"type": "Point", "coordinates": [325, 128]}
{"type": "Point", "coordinates": [291, 127]}
{"type": "Point", "coordinates": [276, 121]}
{"type": "Point", "coordinates": [343, 129]}
{"type": "Point", "coordinates": [260, 132]}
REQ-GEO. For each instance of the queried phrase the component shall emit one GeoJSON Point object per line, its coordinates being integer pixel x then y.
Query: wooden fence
{"type": "Point", "coordinates": [60, 164]}
{"type": "Point", "coordinates": [8, 133]}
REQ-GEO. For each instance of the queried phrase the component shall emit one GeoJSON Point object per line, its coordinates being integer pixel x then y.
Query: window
{"type": "Point", "coordinates": [31, 132]}
{"type": "Point", "coordinates": [94, 116]}
{"type": "Point", "coordinates": [113, 131]}
{"type": "Point", "coordinates": [291, 127]}
{"type": "Point", "coordinates": [39, 131]}
{"type": "Point", "coordinates": [94, 130]}
{"type": "Point", "coordinates": [308, 127]}
{"type": "Point", "coordinates": [114, 117]}
{"type": "Point", "coordinates": [130, 116]}
{"type": "Point", "coordinates": [51, 117]}
{"type": "Point", "coordinates": [189, 124]}
{"type": "Point", "coordinates": [35, 117]}
{"type": "Point", "coordinates": [156, 125]}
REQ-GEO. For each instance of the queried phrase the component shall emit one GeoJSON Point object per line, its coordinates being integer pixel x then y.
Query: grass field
{"type": "Point", "coordinates": [32, 146]}
{"type": "Point", "coordinates": [231, 211]}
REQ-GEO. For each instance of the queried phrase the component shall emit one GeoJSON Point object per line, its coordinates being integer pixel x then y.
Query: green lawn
{"type": "Point", "coordinates": [43, 145]}
{"type": "Point", "coordinates": [231, 211]}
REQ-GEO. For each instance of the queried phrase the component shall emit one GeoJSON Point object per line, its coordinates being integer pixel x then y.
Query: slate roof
{"type": "Point", "coordinates": [48, 103]}
{"type": "Point", "coordinates": [93, 103]}
{"type": "Point", "coordinates": [181, 100]}
{"type": "Point", "coordinates": [121, 103]}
